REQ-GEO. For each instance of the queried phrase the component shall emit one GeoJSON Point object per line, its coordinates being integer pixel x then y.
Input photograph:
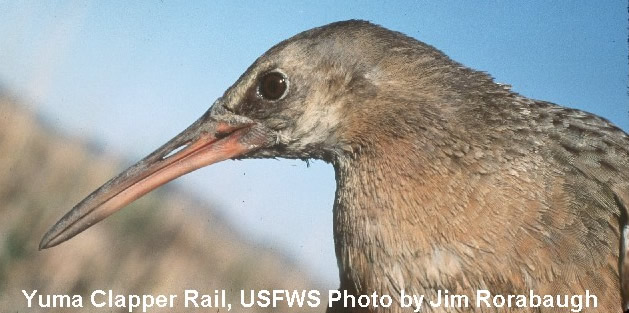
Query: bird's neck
{"type": "Point", "coordinates": [393, 202]}
{"type": "Point", "coordinates": [408, 186]}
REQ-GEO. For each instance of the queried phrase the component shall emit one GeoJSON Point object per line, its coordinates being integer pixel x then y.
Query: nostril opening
{"type": "Point", "coordinates": [221, 135]}
{"type": "Point", "coordinates": [174, 151]}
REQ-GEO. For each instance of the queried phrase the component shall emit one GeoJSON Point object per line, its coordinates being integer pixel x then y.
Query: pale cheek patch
{"type": "Point", "coordinates": [315, 125]}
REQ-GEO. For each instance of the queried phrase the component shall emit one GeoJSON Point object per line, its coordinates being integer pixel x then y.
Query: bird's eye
{"type": "Point", "coordinates": [273, 86]}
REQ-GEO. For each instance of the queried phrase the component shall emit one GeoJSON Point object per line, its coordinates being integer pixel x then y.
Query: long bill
{"type": "Point", "coordinates": [209, 140]}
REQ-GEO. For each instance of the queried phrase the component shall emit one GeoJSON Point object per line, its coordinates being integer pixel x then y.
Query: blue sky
{"type": "Point", "coordinates": [131, 74]}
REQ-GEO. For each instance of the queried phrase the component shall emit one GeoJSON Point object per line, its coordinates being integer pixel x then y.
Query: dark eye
{"type": "Point", "coordinates": [272, 86]}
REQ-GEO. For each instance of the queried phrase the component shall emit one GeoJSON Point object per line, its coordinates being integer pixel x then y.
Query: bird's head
{"type": "Point", "coordinates": [303, 92]}
{"type": "Point", "coordinates": [315, 95]}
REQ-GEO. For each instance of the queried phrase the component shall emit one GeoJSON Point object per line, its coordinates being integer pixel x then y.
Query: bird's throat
{"type": "Point", "coordinates": [379, 201]}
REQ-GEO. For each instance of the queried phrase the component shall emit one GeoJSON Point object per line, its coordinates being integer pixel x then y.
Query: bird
{"type": "Point", "coordinates": [445, 179]}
